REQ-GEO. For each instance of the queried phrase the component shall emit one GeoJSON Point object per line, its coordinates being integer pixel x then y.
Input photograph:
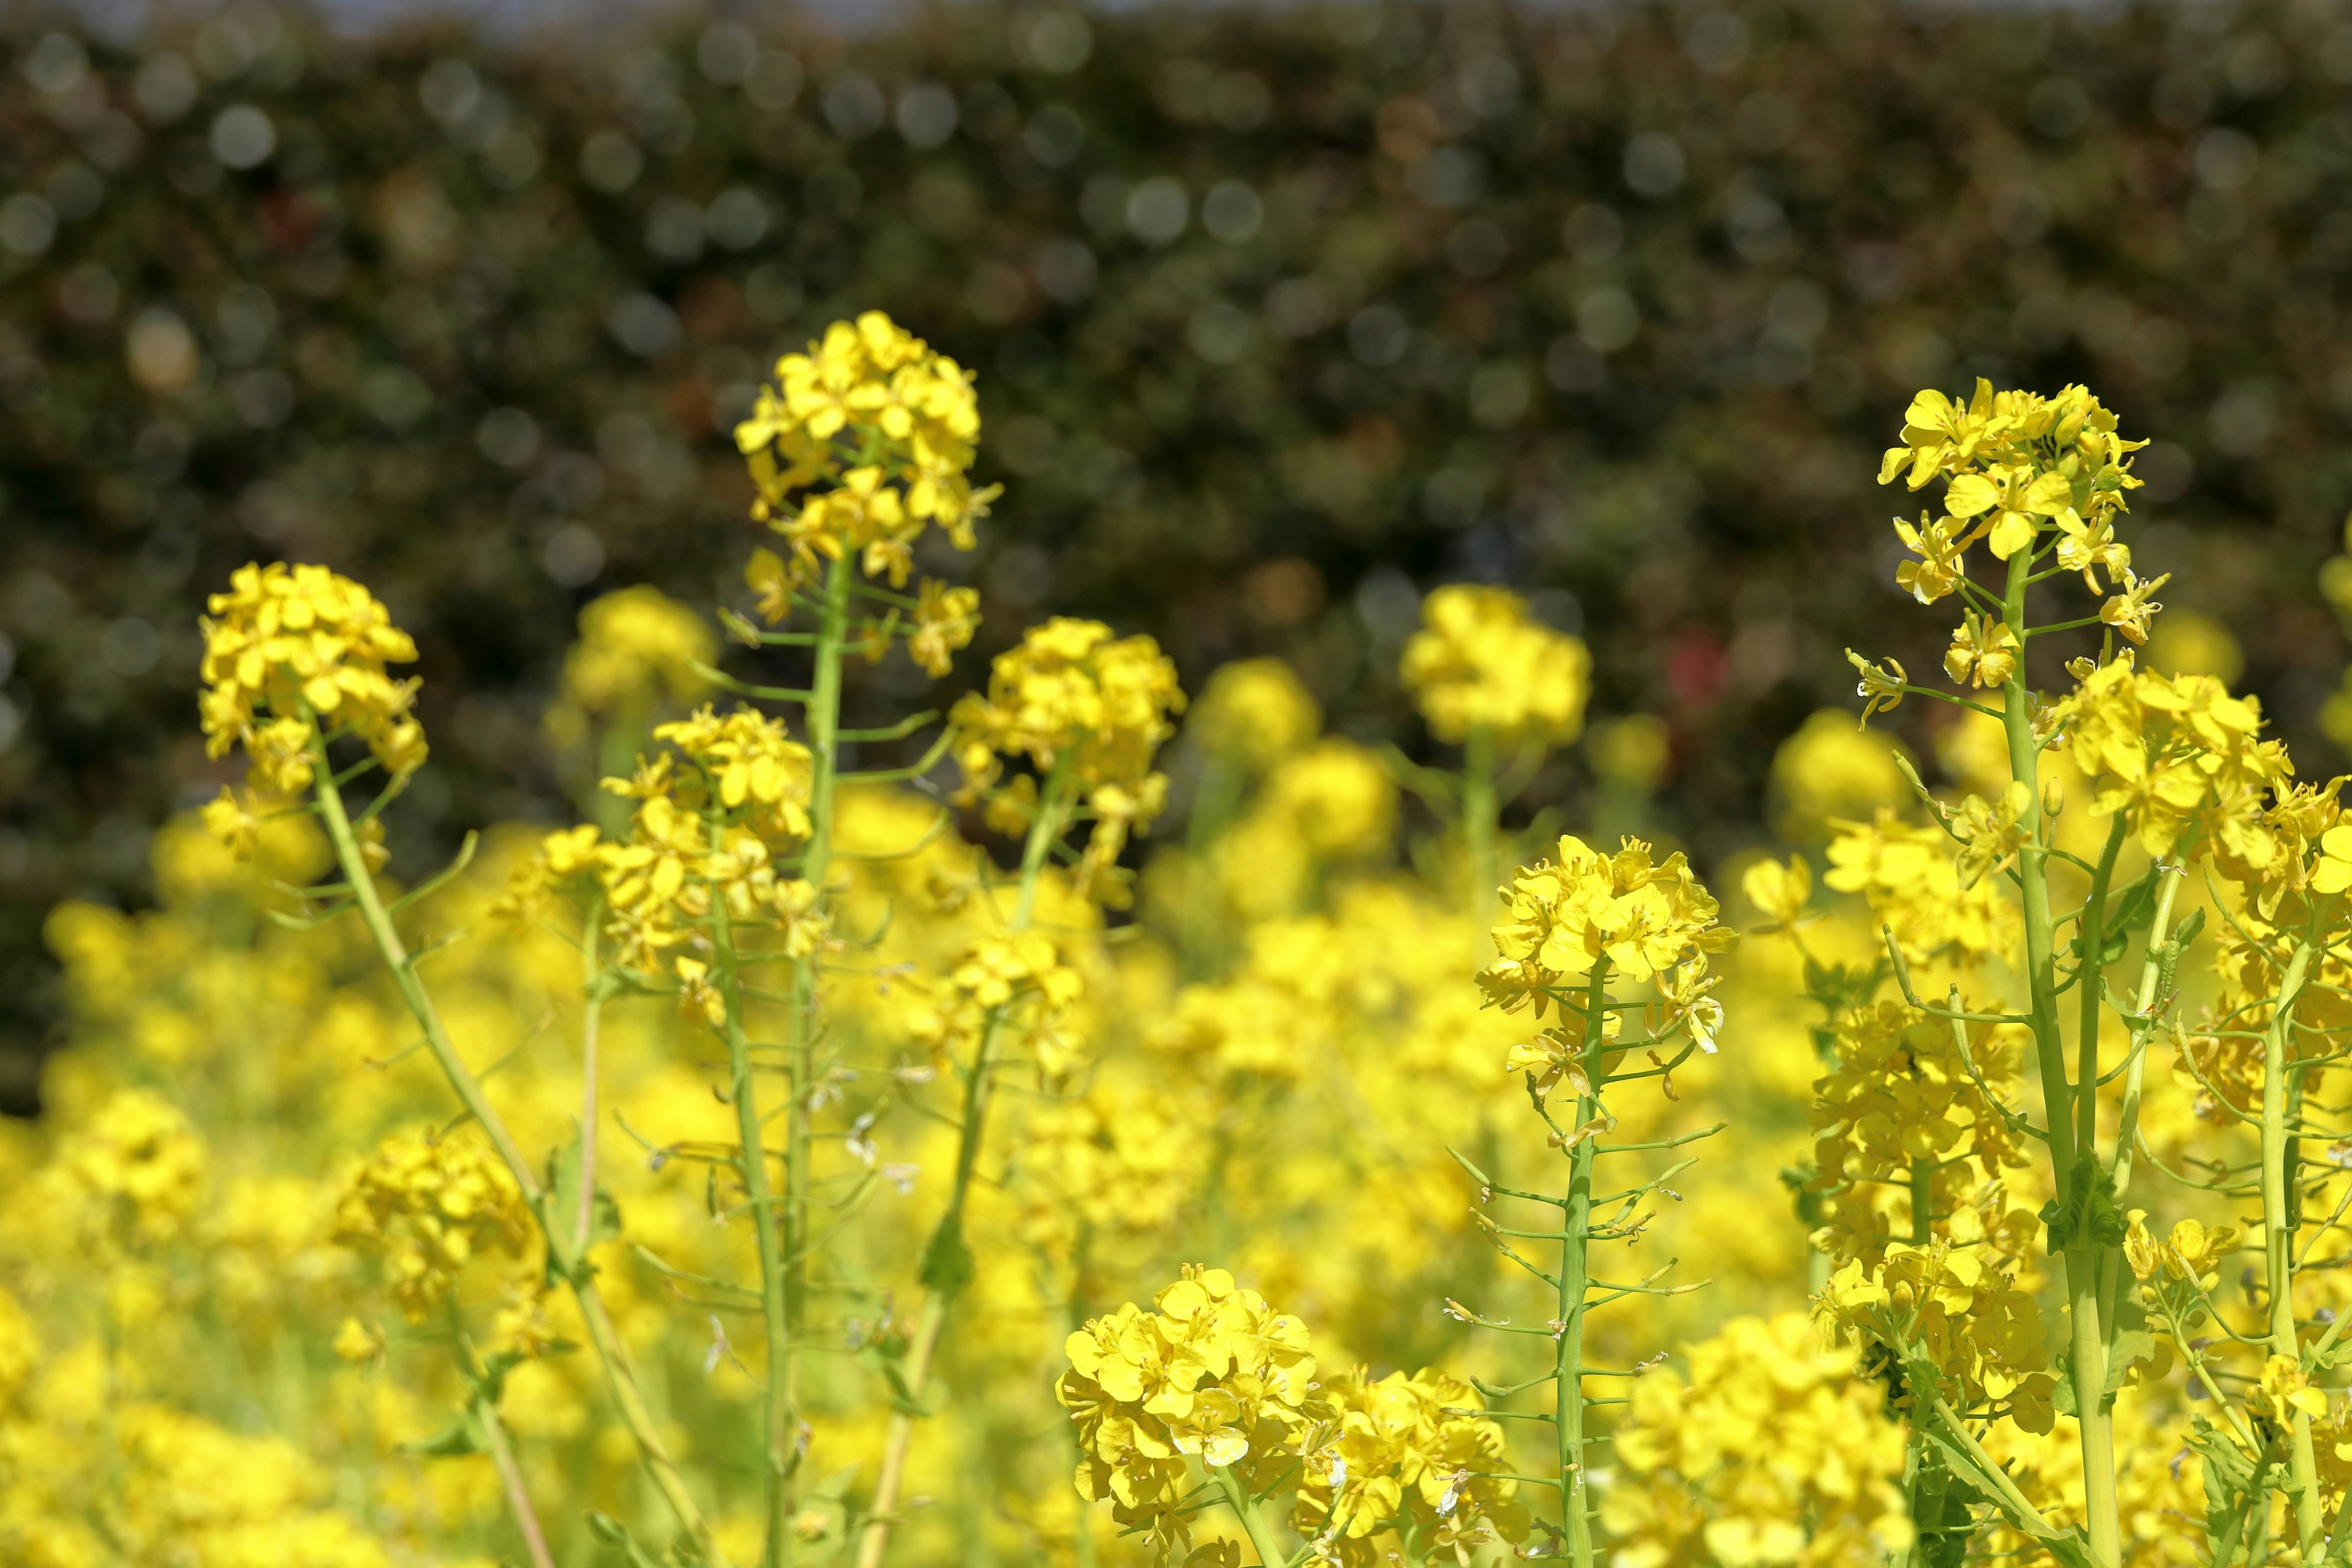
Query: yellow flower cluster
{"type": "Point", "coordinates": [1644, 916]}
{"type": "Point", "coordinates": [89, 1477]}
{"type": "Point", "coordinates": [1943, 1307]}
{"type": "Point", "coordinates": [714, 813]}
{"type": "Point", "coordinates": [135, 1172]}
{"type": "Point", "coordinates": [1910, 876]}
{"type": "Point", "coordinates": [1077, 703]}
{"type": "Point", "coordinates": [864, 441]}
{"type": "Point", "coordinates": [428, 1206]}
{"type": "Point", "coordinates": [1773, 1452]}
{"type": "Point", "coordinates": [945, 620]}
{"type": "Point", "coordinates": [1256, 711]}
{"type": "Point", "coordinates": [637, 646]}
{"type": "Point", "coordinates": [2177, 754]}
{"type": "Point", "coordinates": [1211, 1374]}
{"type": "Point", "coordinates": [1480, 664]}
{"type": "Point", "coordinates": [1408, 1456]}
{"type": "Point", "coordinates": [995, 976]}
{"type": "Point", "coordinates": [2019, 464]}
{"type": "Point", "coordinates": [288, 650]}
{"type": "Point", "coordinates": [1901, 1094]}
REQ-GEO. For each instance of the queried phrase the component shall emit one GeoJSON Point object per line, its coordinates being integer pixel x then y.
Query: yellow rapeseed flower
{"type": "Point", "coordinates": [1480, 663]}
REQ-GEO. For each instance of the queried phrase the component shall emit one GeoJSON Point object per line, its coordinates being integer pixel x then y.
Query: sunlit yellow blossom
{"type": "Point", "coordinates": [1410, 1456]}
{"type": "Point", "coordinates": [288, 650]}
{"type": "Point", "coordinates": [1882, 684]}
{"type": "Point", "coordinates": [1984, 651]}
{"type": "Point", "coordinates": [945, 619]}
{"type": "Point", "coordinates": [1774, 1451]}
{"type": "Point", "coordinates": [863, 442]}
{"type": "Point", "coordinates": [1940, 569]}
{"type": "Point", "coordinates": [1558, 919]}
{"type": "Point", "coordinates": [2131, 611]}
{"type": "Point", "coordinates": [1212, 1374]}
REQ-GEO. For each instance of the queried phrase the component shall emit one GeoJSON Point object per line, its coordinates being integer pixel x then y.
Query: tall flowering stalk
{"type": "Point", "coordinates": [2176, 767]}
{"type": "Point", "coordinates": [1569, 927]}
{"type": "Point", "coordinates": [1086, 712]}
{"type": "Point", "coordinates": [1506, 689]}
{"type": "Point", "coordinates": [296, 661]}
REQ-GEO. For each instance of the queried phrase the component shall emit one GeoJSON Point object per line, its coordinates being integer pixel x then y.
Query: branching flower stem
{"type": "Point", "coordinates": [946, 1261]}
{"type": "Point", "coordinates": [2063, 1116]}
{"type": "Point", "coordinates": [627, 1397]}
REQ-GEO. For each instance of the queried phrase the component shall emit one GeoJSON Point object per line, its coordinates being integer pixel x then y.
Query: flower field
{"type": "Point", "coordinates": [775, 1166]}
{"type": "Point", "coordinates": [910, 1065]}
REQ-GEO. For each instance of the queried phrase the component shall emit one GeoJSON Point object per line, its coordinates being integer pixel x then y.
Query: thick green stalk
{"type": "Point", "coordinates": [618, 1373]}
{"type": "Point", "coordinates": [1923, 1201]}
{"type": "Point", "coordinates": [1479, 826]}
{"type": "Point", "coordinates": [1575, 1279]}
{"type": "Point", "coordinates": [778, 1416]}
{"type": "Point", "coordinates": [1236, 1493]}
{"type": "Point", "coordinates": [946, 1247]}
{"type": "Point", "coordinates": [2278, 1239]}
{"type": "Point", "coordinates": [2088, 1341]}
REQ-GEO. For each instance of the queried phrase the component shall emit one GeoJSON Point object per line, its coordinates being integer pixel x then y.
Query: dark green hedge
{"type": "Point", "coordinates": [1279, 314]}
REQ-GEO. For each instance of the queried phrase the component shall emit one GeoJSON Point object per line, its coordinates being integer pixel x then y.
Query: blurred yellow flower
{"type": "Point", "coordinates": [1480, 663]}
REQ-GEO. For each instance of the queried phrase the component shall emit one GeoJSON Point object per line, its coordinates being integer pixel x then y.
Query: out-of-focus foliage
{"type": "Point", "coordinates": [1280, 312]}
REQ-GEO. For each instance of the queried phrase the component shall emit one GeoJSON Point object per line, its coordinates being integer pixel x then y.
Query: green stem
{"type": "Point", "coordinates": [2088, 1345]}
{"type": "Point", "coordinates": [484, 1408]}
{"type": "Point", "coordinates": [778, 1416]}
{"type": "Point", "coordinates": [1479, 827]}
{"type": "Point", "coordinates": [1575, 1277]}
{"type": "Point", "coordinates": [2278, 1239]}
{"type": "Point", "coordinates": [590, 1031]}
{"type": "Point", "coordinates": [790, 1306]}
{"type": "Point", "coordinates": [946, 1261]}
{"type": "Point", "coordinates": [618, 1373]}
{"type": "Point", "coordinates": [2089, 988]}
{"type": "Point", "coordinates": [1269, 1547]}
{"type": "Point", "coordinates": [1923, 1201]}
{"type": "Point", "coordinates": [1215, 801]}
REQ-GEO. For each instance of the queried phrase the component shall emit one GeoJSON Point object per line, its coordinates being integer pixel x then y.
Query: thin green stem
{"type": "Point", "coordinates": [2278, 1241]}
{"type": "Point", "coordinates": [1479, 828]}
{"type": "Point", "coordinates": [1575, 1283]}
{"type": "Point", "coordinates": [822, 713]}
{"type": "Point", "coordinates": [946, 1261]}
{"type": "Point", "coordinates": [777, 1415]}
{"type": "Point", "coordinates": [618, 1372]}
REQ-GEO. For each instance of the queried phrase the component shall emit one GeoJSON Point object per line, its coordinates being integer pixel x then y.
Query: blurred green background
{"type": "Point", "coordinates": [1281, 315]}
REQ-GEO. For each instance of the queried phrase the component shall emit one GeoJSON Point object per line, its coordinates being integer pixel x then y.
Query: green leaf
{"type": "Point", "coordinates": [2130, 1343]}
{"type": "Point", "coordinates": [560, 1212]}
{"type": "Point", "coordinates": [612, 1532]}
{"type": "Point", "coordinates": [947, 1260]}
{"type": "Point", "coordinates": [462, 1437]}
